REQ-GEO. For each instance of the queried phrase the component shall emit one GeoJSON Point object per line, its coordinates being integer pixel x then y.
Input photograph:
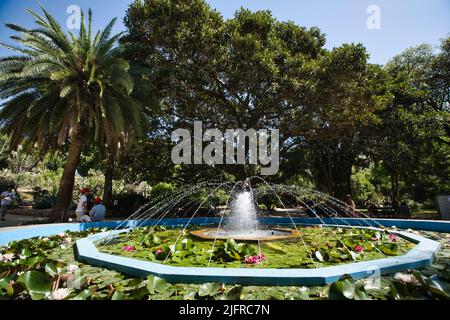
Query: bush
{"type": "Point", "coordinates": [129, 203]}
{"type": "Point", "coordinates": [161, 188]}
{"type": "Point", "coordinates": [5, 183]}
{"type": "Point", "coordinates": [94, 181]}
{"type": "Point", "coordinates": [42, 199]}
{"type": "Point", "coordinates": [362, 188]}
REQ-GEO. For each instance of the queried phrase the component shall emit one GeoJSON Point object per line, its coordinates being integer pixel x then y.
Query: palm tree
{"type": "Point", "coordinates": [63, 89]}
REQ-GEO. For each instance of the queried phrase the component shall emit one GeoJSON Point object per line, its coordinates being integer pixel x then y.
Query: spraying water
{"type": "Point", "coordinates": [243, 214]}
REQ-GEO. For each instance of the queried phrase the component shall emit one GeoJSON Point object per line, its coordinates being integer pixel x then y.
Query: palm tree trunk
{"type": "Point", "coordinates": [61, 207]}
{"type": "Point", "coordinates": [107, 188]}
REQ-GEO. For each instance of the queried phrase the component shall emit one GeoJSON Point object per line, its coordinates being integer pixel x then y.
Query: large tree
{"type": "Point", "coordinates": [253, 72]}
{"type": "Point", "coordinates": [64, 89]}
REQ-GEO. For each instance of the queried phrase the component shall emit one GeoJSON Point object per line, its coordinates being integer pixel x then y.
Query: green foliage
{"type": "Point", "coordinates": [60, 81]}
{"type": "Point", "coordinates": [324, 247]}
{"type": "Point", "coordinates": [162, 188]}
{"type": "Point", "coordinates": [230, 250]}
{"type": "Point", "coordinates": [6, 182]}
{"type": "Point", "coordinates": [42, 199]}
{"type": "Point", "coordinates": [363, 190]}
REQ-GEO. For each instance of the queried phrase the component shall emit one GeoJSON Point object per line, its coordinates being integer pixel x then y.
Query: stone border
{"type": "Point", "coordinates": [290, 233]}
{"type": "Point", "coordinates": [9, 234]}
{"type": "Point", "coordinates": [421, 255]}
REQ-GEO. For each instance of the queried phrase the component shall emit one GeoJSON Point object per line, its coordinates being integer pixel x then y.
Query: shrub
{"type": "Point", "coordinates": [161, 188]}
{"type": "Point", "coordinates": [6, 182]}
{"type": "Point", "coordinates": [42, 199]}
{"type": "Point", "coordinates": [128, 203]}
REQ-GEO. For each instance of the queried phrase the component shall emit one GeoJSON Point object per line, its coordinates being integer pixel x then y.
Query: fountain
{"type": "Point", "coordinates": [162, 240]}
{"type": "Point", "coordinates": [175, 240]}
{"type": "Point", "coordinates": [242, 224]}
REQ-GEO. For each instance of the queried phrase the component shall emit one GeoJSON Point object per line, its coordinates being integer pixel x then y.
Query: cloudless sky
{"type": "Point", "coordinates": [404, 23]}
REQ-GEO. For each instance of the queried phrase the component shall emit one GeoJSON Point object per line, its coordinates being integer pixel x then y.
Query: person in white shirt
{"type": "Point", "coordinates": [97, 212]}
{"type": "Point", "coordinates": [82, 209]}
{"type": "Point", "coordinates": [7, 198]}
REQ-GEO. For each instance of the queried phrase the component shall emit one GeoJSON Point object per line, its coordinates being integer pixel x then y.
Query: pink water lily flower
{"type": "Point", "coordinates": [128, 248]}
{"type": "Point", "coordinates": [60, 294]}
{"type": "Point", "coordinates": [255, 259]}
{"type": "Point", "coordinates": [261, 256]}
{"type": "Point", "coordinates": [7, 257]}
{"type": "Point", "coordinates": [359, 249]}
{"type": "Point", "coordinates": [406, 278]}
{"type": "Point", "coordinates": [392, 237]}
{"type": "Point", "coordinates": [251, 260]}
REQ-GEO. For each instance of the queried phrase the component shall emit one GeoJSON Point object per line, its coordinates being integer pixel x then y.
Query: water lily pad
{"type": "Point", "coordinates": [209, 289]}
{"type": "Point", "coordinates": [156, 284]}
{"type": "Point", "coordinates": [342, 289]}
{"type": "Point", "coordinates": [37, 283]}
{"type": "Point", "coordinates": [51, 269]}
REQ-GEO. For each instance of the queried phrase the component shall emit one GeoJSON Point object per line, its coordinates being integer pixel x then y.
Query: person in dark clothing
{"type": "Point", "coordinates": [404, 210]}
{"type": "Point", "coordinates": [310, 208]}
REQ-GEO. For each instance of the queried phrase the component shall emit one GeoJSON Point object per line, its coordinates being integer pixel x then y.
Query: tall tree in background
{"type": "Point", "coordinates": [250, 72]}
{"type": "Point", "coordinates": [414, 124]}
{"type": "Point", "coordinates": [66, 89]}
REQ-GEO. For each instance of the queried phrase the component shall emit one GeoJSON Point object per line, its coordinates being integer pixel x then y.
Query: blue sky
{"type": "Point", "coordinates": [404, 23]}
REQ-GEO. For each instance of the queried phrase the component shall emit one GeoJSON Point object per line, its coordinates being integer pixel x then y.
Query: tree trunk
{"type": "Point", "coordinates": [61, 207]}
{"type": "Point", "coordinates": [108, 188]}
{"type": "Point", "coordinates": [329, 173]}
{"type": "Point", "coordinates": [395, 187]}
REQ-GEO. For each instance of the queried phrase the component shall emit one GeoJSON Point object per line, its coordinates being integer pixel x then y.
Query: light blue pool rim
{"type": "Point", "coordinates": [18, 233]}
{"type": "Point", "coordinates": [421, 255]}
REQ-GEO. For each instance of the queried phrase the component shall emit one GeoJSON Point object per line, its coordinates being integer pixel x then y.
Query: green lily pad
{"type": "Point", "coordinates": [209, 289]}
{"type": "Point", "coordinates": [37, 284]}
{"type": "Point", "coordinates": [118, 295]}
{"type": "Point", "coordinates": [156, 284]}
{"type": "Point", "coordinates": [342, 289]}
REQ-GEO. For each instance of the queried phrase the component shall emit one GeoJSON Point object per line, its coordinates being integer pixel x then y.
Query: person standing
{"type": "Point", "coordinates": [7, 198]}
{"type": "Point", "coordinates": [82, 209]}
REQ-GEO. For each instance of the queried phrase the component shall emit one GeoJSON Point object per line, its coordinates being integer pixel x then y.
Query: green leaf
{"type": "Point", "coordinates": [156, 284]}
{"type": "Point", "coordinates": [51, 269]}
{"type": "Point", "coordinates": [37, 284]}
{"type": "Point", "coordinates": [32, 261]}
{"type": "Point", "coordinates": [83, 295]}
{"type": "Point", "coordinates": [342, 289]}
{"type": "Point", "coordinates": [190, 296]}
{"type": "Point", "coordinates": [394, 294]}
{"type": "Point", "coordinates": [389, 248]}
{"type": "Point", "coordinates": [6, 286]}
{"type": "Point", "coordinates": [118, 295]}
{"type": "Point", "coordinates": [438, 287]}
{"type": "Point", "coordinates": [209, 289]}
{"type": "Point", "coordinates": [275, 247]}
{"type": "Point", "coordinates": [25, 253]}
{"type": "Point", "coordinates": [233, 293]}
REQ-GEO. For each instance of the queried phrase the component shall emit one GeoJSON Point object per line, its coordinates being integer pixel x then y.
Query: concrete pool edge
{"type": "Point", "coordinates": [19, 233]}
{"type": "Point", "coordinates": [421, 255]}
